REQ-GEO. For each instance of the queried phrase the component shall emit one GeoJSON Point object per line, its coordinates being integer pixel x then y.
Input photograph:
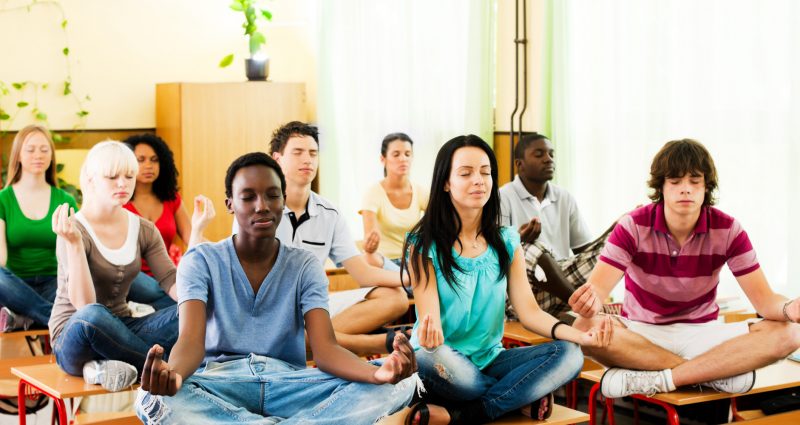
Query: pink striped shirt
{"type": "Point", "coordinates": [666, 283]}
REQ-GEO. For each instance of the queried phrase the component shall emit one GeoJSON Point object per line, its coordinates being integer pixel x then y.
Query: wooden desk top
{"type": "Point", "coordinates": [32, 332]}
{"type": "Point", "coordinates": [788, 418]}
{"type": "Point", "coordinates": [515, 330]}
{"type": "Point", "coordinates": [561, 416]}
{"type": "Point", "coordinates": [55, 381]}
{"type": "Point", "coordinates": [777, 376]}
{"type": "Point", "coordinates": [7, 364]}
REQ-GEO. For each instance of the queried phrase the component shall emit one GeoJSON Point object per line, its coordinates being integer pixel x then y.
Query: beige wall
{"type": "Point", "coordinates": [120, 49]}
{"type": "Point", "coordinates": [504, 102]}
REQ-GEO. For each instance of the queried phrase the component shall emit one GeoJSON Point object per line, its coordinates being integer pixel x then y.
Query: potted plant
{"type": "Point", "coordinates": [257, 66]}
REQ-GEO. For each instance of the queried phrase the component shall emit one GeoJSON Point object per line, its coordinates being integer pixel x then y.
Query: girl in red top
{"type": "Point", "coordinates": [156, 198]}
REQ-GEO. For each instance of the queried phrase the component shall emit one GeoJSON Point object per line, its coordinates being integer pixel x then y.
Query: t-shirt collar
{"type": "Point", "coordinates": [660, 223]}
{"type": "Point", "coordinates": [312, 205]}
{"type": "Point", "coordinates": [523, 193]}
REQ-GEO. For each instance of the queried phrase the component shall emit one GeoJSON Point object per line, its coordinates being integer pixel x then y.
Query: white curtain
{"type": "Point", "coordinates": [417, 66]}
{"type": "Point", "coordinates": [630, 75]}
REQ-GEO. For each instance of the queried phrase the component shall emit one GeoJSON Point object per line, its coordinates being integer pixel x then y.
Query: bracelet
{"type": "Point", "coordinates": [553, 329]}
{"type": "Point", "coordinates": [785, 314]}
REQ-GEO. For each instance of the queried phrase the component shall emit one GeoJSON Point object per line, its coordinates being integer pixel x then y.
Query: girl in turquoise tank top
{"type": "Point", "coordinates": [462, 266]}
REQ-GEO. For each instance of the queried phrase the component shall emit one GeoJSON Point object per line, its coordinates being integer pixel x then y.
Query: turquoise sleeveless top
{"type": "Point", "coordinates": [473, 313]}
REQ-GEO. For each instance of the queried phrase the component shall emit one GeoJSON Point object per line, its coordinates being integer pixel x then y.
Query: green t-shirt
{"type": "Point", "coordinates": [31, 244]}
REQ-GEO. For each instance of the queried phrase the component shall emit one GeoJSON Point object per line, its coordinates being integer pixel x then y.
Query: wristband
{"type": "Point", "coordinates": [553, 329]}
{"type": "Point", "coordinates": [785, 314]}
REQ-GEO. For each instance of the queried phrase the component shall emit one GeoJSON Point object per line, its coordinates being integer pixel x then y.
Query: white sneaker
{"type": "Point", "coordinates": [735, 384]}
{"type": "Point", "coordinates": [112, 375]}
{"type": "Point", "coordinates": [617, 383]}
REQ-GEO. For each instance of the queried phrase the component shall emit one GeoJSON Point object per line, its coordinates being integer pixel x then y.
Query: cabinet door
{"type": "Point", "coordinates": [217, 123]}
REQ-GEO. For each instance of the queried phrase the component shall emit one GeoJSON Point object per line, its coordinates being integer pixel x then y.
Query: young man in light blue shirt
{"type": "Point", "coordinates": [244, 303]}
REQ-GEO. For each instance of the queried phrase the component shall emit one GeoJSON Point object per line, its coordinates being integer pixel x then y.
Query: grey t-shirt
{"type": "Point", "coordinates": [112, 270]}
{"type": "Point", "coordinates": [239, 322]}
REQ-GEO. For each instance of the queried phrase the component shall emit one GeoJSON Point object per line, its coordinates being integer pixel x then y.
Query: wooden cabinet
{"type": "Point", "coordinates": [207, 126]}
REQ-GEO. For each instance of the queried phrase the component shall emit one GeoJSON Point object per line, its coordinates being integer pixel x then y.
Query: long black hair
{"type": "Point", "coordinates": [165, 187]}
{"type": "Point", "coordinates": [441, 224]}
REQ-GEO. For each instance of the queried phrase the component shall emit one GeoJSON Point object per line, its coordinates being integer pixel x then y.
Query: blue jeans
{"type": "Point", "coordinates": [95, 333]}
{"type": "Point", "coordinates": [30, 296]}
{"type": "Point", "coordinates": [264, 390]}
{"type": "Point", "coordinates": [145, 290]}
{"type": "Point", "coordinates": [517, 377]}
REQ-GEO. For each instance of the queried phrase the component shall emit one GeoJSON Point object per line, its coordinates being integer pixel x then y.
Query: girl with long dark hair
{"type": "Point", "coordinates": [462, 266]}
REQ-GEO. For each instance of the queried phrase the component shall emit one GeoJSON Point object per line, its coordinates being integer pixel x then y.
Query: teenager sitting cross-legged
{"type": "Point", "coordinates": [100, 251]}
{"type": "Point", "coordinates": [313, 223]}
{"type": "Point", "coordinates": [671, 253]}
{"type": "Point", "coordinates": [244, 304]}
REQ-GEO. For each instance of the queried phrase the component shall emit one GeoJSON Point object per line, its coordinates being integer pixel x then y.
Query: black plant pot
{"type": "Point", "coordinates": [257, 69]}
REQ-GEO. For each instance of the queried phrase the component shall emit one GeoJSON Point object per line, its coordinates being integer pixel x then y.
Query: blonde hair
{"type": "Point", "coordinates": [14, 167]}
{"type": "Point", "coordinates": [108, 158]}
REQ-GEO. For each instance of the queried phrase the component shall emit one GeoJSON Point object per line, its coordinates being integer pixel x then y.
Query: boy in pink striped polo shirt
{"type": "Point", "coordinates": [670, 253]}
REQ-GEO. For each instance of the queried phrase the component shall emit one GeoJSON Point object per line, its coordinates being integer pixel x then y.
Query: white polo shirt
{"type": "Point", "coordinates": [321, 230]}
{"type": "Point", "coordinates": [563, 228]}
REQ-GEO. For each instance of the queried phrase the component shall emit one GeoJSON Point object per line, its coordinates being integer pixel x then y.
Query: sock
{"type": "Point", "coordinates": [668, 380]}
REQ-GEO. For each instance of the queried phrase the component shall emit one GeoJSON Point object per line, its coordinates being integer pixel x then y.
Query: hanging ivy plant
{"type": "Point", "coordinates": [22, 97]}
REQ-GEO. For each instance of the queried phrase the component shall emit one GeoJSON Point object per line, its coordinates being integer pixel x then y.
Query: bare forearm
{"type": "Point", "coordinates": [542, 323]}
{"type": "Point", "coordinates": [342, 363]}
{"type": "Point", "coordinates": [772, 307]}
{"type": "Point", "coordinates": [186, 357]}
{"type": "Point", "coordinates": [367, 275]}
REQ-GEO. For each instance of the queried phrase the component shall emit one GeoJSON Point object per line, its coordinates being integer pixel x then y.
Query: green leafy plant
{"type": "Point", "coordinates": [253, 14]}
{"type": "Point", "coordinates": [21, 97]}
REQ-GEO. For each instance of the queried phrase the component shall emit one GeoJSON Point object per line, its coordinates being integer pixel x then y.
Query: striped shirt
{"type": "Point", "coordinates": [667, 283]}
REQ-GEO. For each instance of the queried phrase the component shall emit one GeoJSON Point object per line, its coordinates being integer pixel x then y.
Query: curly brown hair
{"type": "Point", "coordinates": [678, 158]}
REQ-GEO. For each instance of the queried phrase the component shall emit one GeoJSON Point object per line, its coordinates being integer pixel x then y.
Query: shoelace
{"type": "Point", "coordinates": [642, 383]}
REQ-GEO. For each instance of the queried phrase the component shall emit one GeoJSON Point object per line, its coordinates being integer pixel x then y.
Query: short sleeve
{"type": "Point", "coordinates": [313, 286]}
{"type": "Point", "coordinates": [174, 205]}
{"type": "Point", "coordinates": [342, 245]}
{"type": "Point", "coordinates": [740, 254]}
{"type": "Point", "coordinates": [622, 244]}
{"type": "Point", "coordinates": [3, 208]}
{"type": "Point", "coordinates": [193, 277]}
{"type": "Point", "coordinates": [511, 239]}
{"type": "Point", "coordinates": [578, 230]}
{"type": "Point", "coordinates": [505, 209]}
{"type": "Point", "coordinates": [424, 197]}
{"type": "Point", "coordinates": [372, 199]}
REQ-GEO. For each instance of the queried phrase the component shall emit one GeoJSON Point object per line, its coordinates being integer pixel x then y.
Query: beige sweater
{"type": "Point", "coordinates": [112, 270]}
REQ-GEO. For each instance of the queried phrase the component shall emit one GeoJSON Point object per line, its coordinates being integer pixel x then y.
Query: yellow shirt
{"type": "Point", "coordinates": [393, 223]}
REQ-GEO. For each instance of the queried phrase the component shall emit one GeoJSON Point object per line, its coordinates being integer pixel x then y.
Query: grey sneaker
{"type": "Point", "coordinates": [735, 384]}
{"type": "Point", "coordinates": [617, 383]}
{"type": "Point", "coordinates": [113, 375]}
{"type": "Point", "coordinates": [10, 321]}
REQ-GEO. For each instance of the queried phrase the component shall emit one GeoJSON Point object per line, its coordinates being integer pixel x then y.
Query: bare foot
{"type": "Point", "coordinates": [439, 416]}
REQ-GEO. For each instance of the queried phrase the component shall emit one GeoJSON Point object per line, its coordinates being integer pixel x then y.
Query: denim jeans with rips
{"type": "Point", "coordinates": [264, 390]}
{"type": "Point", "coordinates": [517, 377]}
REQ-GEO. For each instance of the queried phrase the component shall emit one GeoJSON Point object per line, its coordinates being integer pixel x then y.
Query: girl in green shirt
{"type": "Point", "coordinates": [27, 243]}
{"type": "Point", "coordinates": [462, 266]}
